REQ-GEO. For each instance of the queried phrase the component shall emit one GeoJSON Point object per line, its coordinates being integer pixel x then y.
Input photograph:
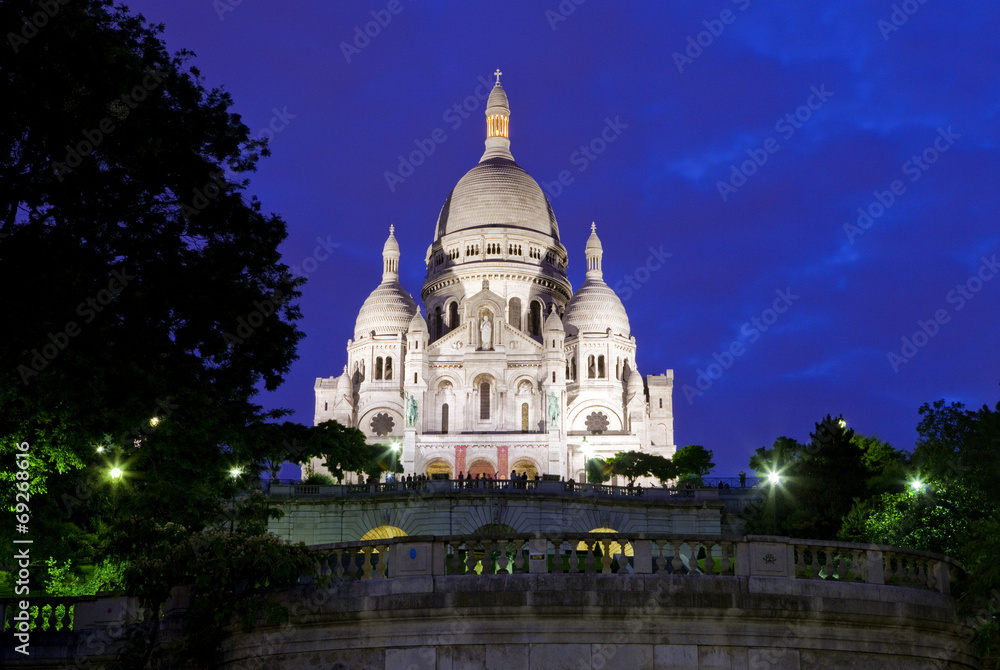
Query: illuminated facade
{"type": "Point", "coordinates": [507, 368]}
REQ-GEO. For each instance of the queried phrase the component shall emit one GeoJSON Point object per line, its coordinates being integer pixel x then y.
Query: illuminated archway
{"type": "Point", "coordinates": [481, 466]}
{"type": "Point", "coordinates": [614, 547]}
{"type": "Point", "coordinates": [438, 466]}
{"type": "Point", "coordinates": [383, 533]}
{"type": "Point", "coordinates": [523, 465]}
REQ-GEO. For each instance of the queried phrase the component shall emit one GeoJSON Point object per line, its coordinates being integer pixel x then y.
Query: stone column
{"type": "Point", "coordinates": [409, 455]}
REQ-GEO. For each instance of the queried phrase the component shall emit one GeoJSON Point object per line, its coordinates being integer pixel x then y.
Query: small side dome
{"type": "Point", "coordinates": [417, 323]}
{"type": "Point", "coordinates": [344, 385]}
{"type": "Point", "coordinates": [634, 382]}
{"type": "Point", "coordinates": [387, 311]}
{"type": "Point", "coordinates": [593, 242]}
{"type": "Point", "coordinates": [553, 324]}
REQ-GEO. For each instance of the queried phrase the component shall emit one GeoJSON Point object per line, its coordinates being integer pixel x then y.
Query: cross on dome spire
{"type": "Point", "coordinates": [392, 229]}
{"type": "Point", "coordinates": [497, 123]}
{"type": "Point", "coordinates": [593, 227]}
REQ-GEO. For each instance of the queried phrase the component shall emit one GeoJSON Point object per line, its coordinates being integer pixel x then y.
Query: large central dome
{"type": "Point", "coordinates": [497, 192]}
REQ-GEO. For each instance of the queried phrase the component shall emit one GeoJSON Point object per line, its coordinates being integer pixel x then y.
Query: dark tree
{"type": "Point", "coordinates": [634, 464]}
{"type": "Point", "coordinates": [146, 301]}
{"type": "Point", "coordinates": [693, 462]}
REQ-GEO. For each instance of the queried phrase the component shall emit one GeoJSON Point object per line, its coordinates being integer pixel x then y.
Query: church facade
{"type": "Point", "coordinates": [507, 367]}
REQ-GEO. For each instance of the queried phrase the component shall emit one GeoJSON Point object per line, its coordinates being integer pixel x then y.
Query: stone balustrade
{"type": "Point", "coordinates": [628, 554]}
{"type": "Point", "coordinates": [502, 486]}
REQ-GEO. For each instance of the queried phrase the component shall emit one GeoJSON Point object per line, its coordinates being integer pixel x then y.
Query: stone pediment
{"type": "Point", "coordinates": [515, 341]}
{"type": "Point", "coordinates": [453, 342]}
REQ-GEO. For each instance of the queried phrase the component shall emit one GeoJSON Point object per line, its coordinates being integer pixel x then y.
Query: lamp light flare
{"type": "Point", "coordinates": [154, 422]}
{"type": "Point", "coordinates": [235, 472]}
{"type": "Point", "coordinates": [774, 477]}
{"type": "Point", "coordinates": [916, 485]}
{"type": "Point", "coordinates": [116, 473]}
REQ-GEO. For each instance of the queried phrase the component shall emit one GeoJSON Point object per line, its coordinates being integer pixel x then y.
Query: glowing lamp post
{"type": "Point", "coordinates": [774, 480]}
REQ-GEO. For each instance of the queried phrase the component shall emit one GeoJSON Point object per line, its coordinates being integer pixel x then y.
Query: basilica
{"type": "Point", "coordinates": [507, 367]}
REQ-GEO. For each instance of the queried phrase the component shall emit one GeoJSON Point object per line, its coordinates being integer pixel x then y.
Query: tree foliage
{"type": "Point", "coordinates": [635, 464]}
{"type": "Point", "coordinates": [153, 300]}
{"type": "Point", "coordinates": [693, 462]}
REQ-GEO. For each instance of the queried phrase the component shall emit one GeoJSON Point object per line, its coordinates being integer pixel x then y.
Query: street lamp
{"type": "Point", "coordinates": [774, 480]}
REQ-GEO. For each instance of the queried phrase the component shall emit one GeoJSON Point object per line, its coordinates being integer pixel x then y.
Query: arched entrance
{"type": "Point", "coordinates": [383, 533]}
{"type": "Point", "coordinates": [614, 548]}
{"type": "Point", "coordinates": [437, 466]}
{"type": "Point", "coordinates": [481, 466]}
{"type": "Point", "coordinates": [523, 465]}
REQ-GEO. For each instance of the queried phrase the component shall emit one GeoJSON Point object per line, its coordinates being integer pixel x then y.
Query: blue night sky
{"type": "Point", "coordinates": [746, 158]}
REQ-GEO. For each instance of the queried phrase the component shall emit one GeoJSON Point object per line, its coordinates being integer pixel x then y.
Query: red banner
{"type": "Point", "coordinates": [459, 459]}
{"type": "Point", "coordinates": [502, 462]}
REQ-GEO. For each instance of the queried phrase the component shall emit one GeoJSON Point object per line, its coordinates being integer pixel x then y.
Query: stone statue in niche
{"type": "Point", "coordinates": [486, 333]}
{"type": "Point", "coordinates": [553, 407]}
{"type": "Point", "coordinates": [411, 411]}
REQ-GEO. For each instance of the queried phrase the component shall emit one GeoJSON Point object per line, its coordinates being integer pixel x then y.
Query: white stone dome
{"type": "Point", "coordinates": [344, 385]}
{"type": "Point", "coordinates": [387, 311]}
{"type": "Point", "coordinates": [595, 308]}
{"type": "Point", "coordinates": [497, 193]}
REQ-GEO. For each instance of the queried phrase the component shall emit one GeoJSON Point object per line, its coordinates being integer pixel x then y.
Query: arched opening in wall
{"type": "Point", "coordinates": [535, 318]}
{"type": "Point", "coordinates": [523, 465]}
{"type": "Point", "coordinates": [444, 418]}
{"type": "Point", "coordinates": [572, 363]}
{"type": "Point", "coordinates": [438, 323]}
{"type": "Point", "coordinates": [484, 401]}
{"type": "Point", "coordinates": [581, 477]}
{"type": "Point", "coordinates": [618, 368]}
{"type": "Point", "coordinates": [514, 313]}
{"type": "Point", "coordinates": [326, 406]}
{"type": "Point", "coordinates": [600, 367]}
{"type": "Point", "coordinates": [481, 466]}
{"type": "Point", "coordinates": [438, 466]}
{"type": "Point", "coordinates": [591, 368]}
{"type": "Point", "coordinates": [388, 367]}
{"type": "Point", "coordinates": [453, 316]}
{"type": "Point", "coordinates": [524, 417]}
{"type": "Point", "coordinates": [614, 548]}
{"type": "Point", "coordinates": [378, 368]}
{"type": "Point", "coordinates": [383, 533]}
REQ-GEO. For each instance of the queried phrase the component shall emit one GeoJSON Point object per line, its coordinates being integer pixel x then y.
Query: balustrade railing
{"type": "Point", "coordinates": [44, 614]}
{"type": "Point", "coordinates": [624, 554]}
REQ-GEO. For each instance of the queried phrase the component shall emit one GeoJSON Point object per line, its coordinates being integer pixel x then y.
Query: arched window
{"type": "Point", "coordinates": [618, 369]}
{"type": "Point", "coordinates": [600, 367]}
{"type": "Point", "coordinates": [378, 368]}
{"type": "Point", "coordinates": [444, 418]}
{"type": "Point", "coordinates": [453, 316]}
{"type": "Point", "coordinates": [514, 313]}
{"type": "Point", "coordinates": [568, 377]}
{"type": "Point", "coordinates": [661, 403]}
{"type": "Point", "coordinates": [535, 318]}
{"type": "Point", "coordinates": [591, 368]}
{"type": "Point", "coordinates": [438, 322]}
{"type": "Point", "coordinates": [484, 401]}
{"type": "Point", "coordinates": [388, 367]}
{"type": "Point", "coordinates": [524, 417]}
{"type": "Point", "coordinates": [553, 377]}
{"type": "Point", "coordinates": [573, 365]}
{"type": "Point", "coordinates": [326, 406]}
